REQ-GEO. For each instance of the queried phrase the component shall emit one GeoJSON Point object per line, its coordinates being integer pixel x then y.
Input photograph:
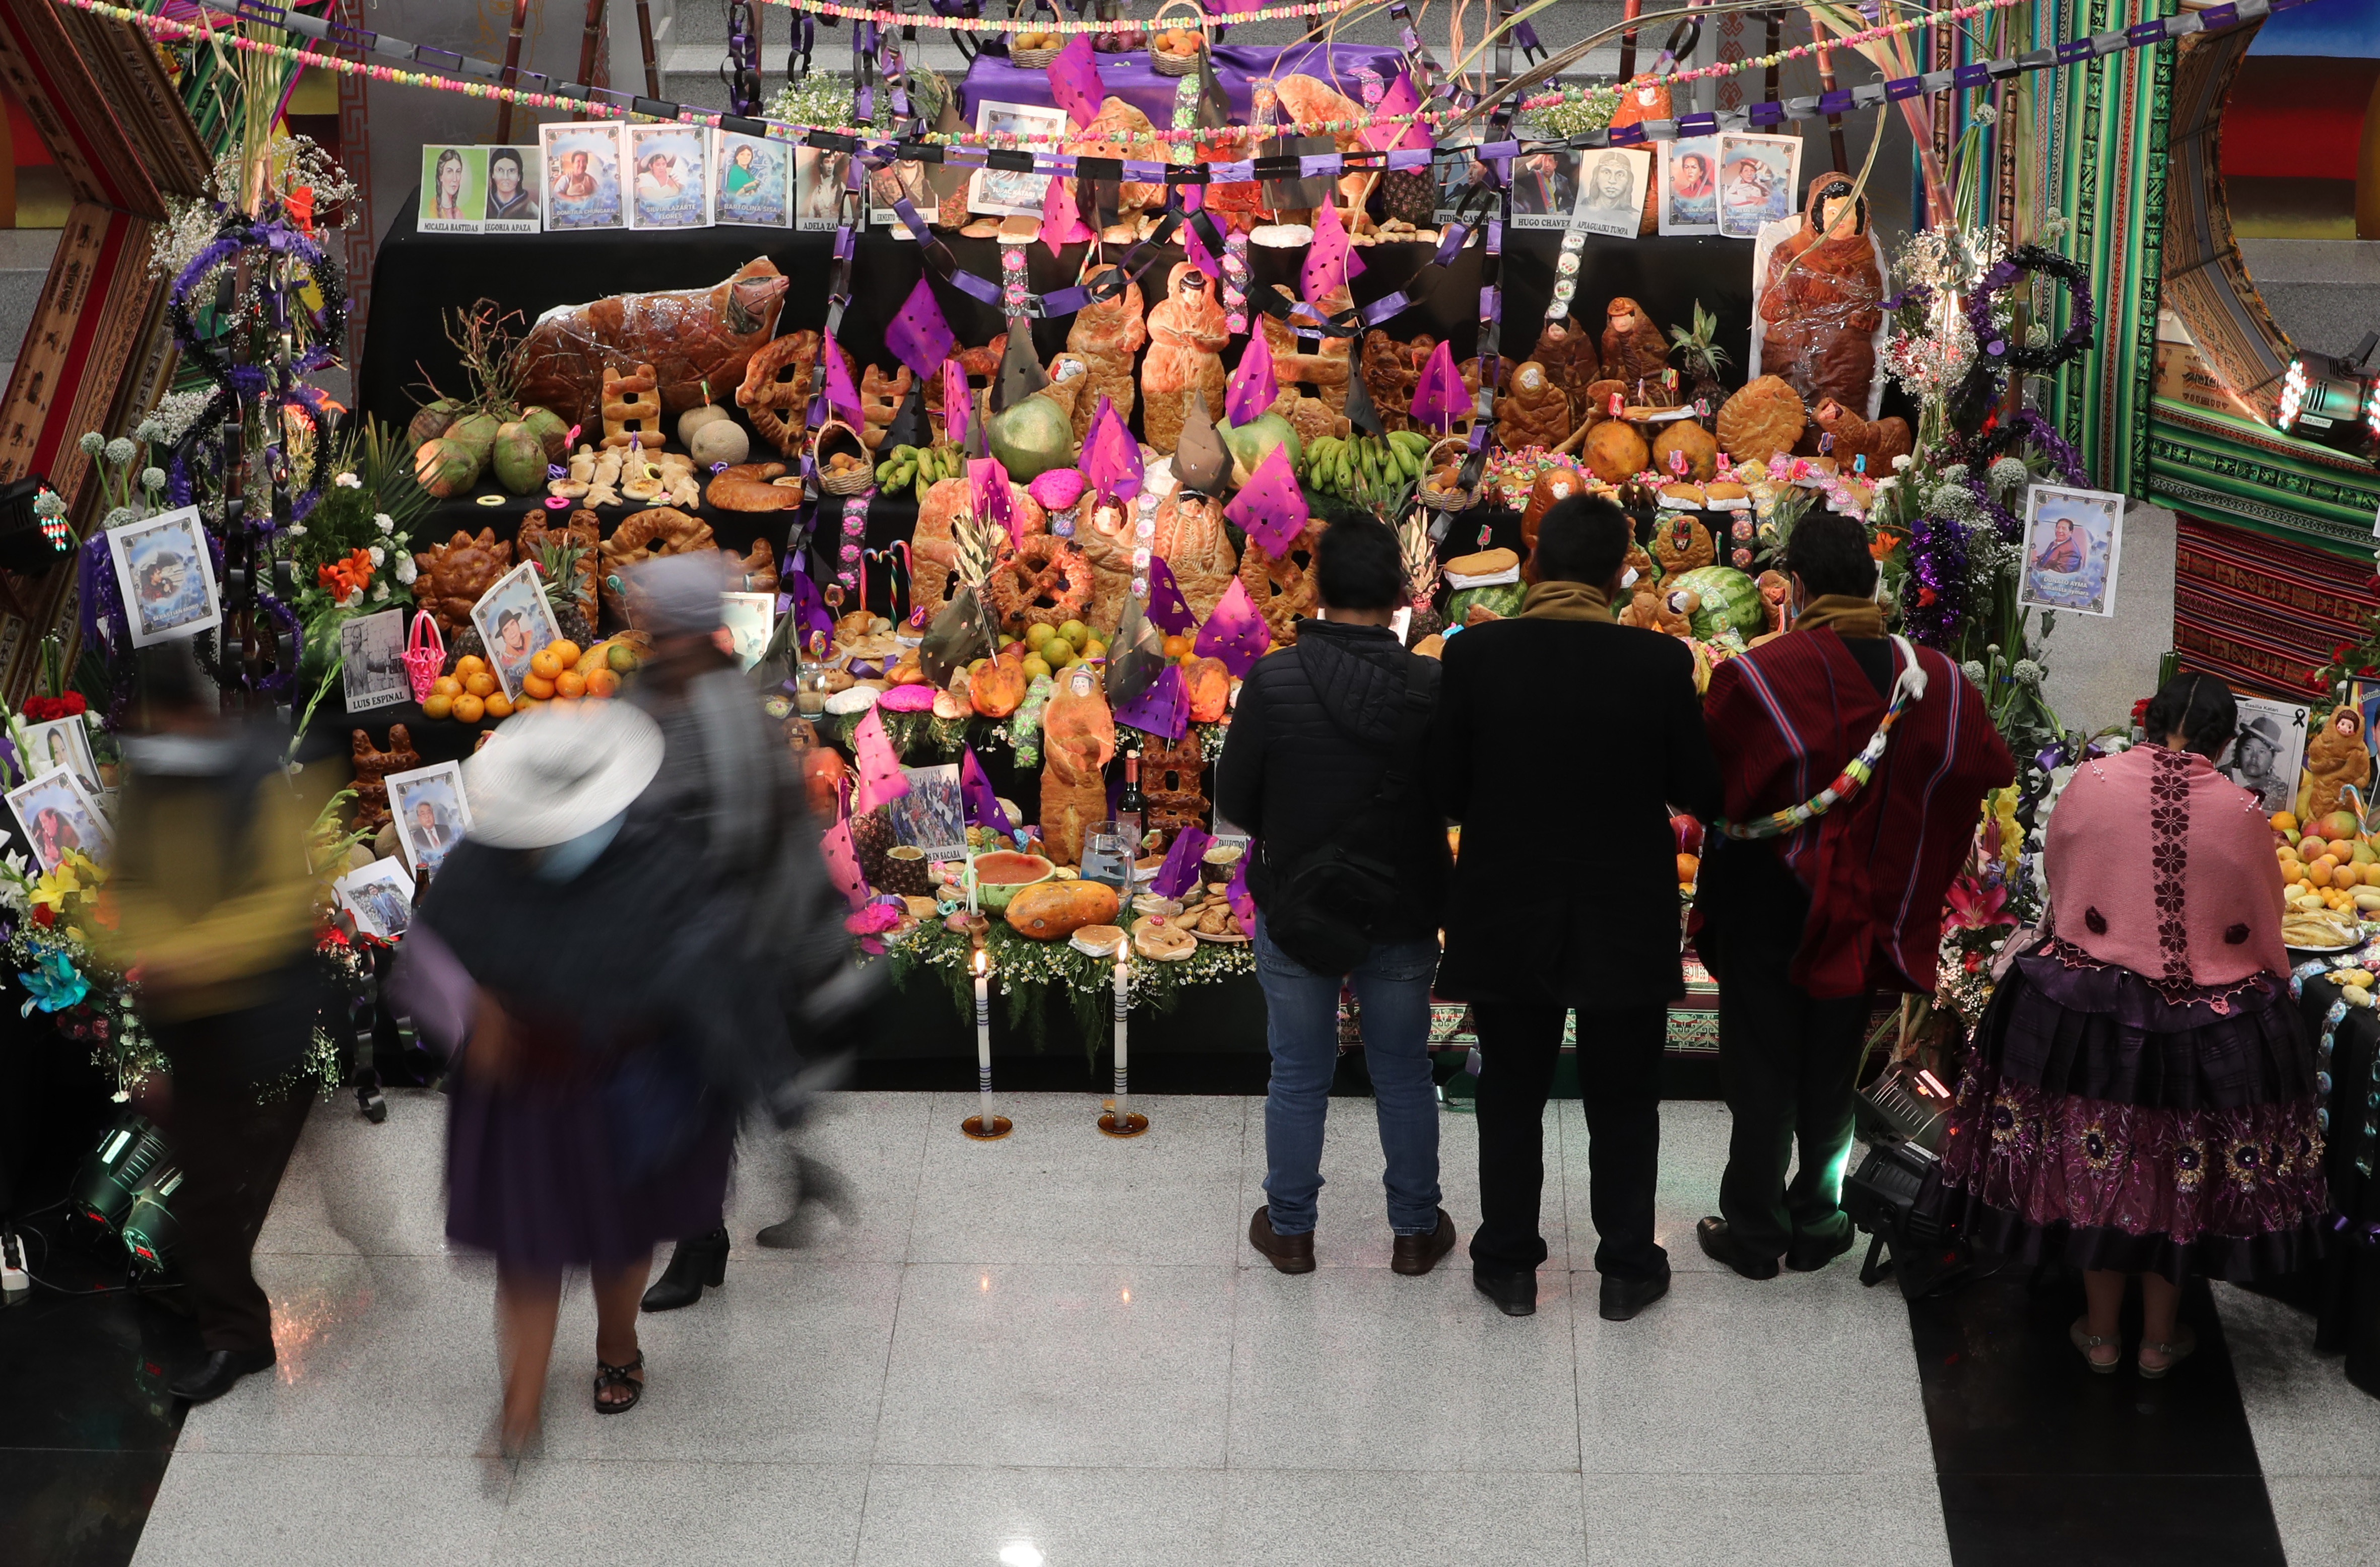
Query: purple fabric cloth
{"type": "Point", "coordinates": [1132, 78]}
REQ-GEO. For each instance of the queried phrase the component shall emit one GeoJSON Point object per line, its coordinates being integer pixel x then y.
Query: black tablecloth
{"type": "Point", "coordinates": [2348, 1303]}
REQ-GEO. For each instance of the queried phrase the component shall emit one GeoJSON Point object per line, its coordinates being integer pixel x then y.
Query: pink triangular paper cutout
{"type": "Point", "coordinates": [956, 403]}
{"type": "Point", "coordinates": [1180, 871]}
{"type": "Point", "coordinates": [841, 396]}
{"type": "Point", "coordinates": [1270, 508]}
{"type": "Point", "coordinates": [1168, 610]}
{"type": "Point", "coordinates": [1163, 709]}
{"type": "Point", "coordinates": [992, 501]}
{"type": "Point", "coordinates": [918, 335]}
{"type": "Point", "coordinates": [880, 768]}
{"type": "Point", "coordinates": [1111, 457]}
{"type": "Point", "coordinates": [1439, 397]}
{"type": "Point", "coordinates": [1235, 634]}
{"type": "Point", "coordinates": [1075, 80]}
{"type": "Point", "coordinates": [1252, 390]}
{"type": "Point", "coordinates": [976, 793]}
{"type": "Point", "coordinates": [1062, 221]}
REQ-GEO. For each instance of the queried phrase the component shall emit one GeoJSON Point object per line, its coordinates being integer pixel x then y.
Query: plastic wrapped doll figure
{"type": "Point", "coordinates": [1821, 305]}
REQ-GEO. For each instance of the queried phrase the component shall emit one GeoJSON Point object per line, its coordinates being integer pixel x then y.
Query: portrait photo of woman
{"type": "Point", "coordinates": [512, 196]}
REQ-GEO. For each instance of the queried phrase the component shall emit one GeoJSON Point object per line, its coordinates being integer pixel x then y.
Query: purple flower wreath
{"type": "Point", "coordinates": [1934, 607]}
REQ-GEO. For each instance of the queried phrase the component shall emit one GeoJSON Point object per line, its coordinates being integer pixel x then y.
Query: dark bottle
{"type": "Point", "coordinates": [1132, 809]}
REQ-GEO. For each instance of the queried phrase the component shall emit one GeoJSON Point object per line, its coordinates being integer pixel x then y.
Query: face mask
{"type": "Point", "coordinates": [564, 860]}
{"type": "Point", "coordinates": [1628, 578]}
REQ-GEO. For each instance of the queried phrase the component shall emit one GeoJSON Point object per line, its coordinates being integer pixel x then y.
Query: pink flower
{"type": "Point", "coordinates": [1973, 907]}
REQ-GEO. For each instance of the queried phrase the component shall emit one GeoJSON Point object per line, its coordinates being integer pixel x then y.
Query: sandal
{"type": "Point", "coordinates": [607, 1378]}
{"type": "Point", "coordinates": [2175, 1354]}
{"type": "Point", "coordinates": [2082, 1339]}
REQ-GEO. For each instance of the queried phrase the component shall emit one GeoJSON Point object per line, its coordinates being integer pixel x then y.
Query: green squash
{"type": "Point", "coordinates": [1030, 437]}
{"type": "Point", "coordinates": [1251, 442]}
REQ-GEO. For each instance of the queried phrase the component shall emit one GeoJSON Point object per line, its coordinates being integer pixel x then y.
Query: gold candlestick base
{"type": "Point", "coordinates": [1131, 1124]}
{"type": "Point", "coordinates": [973, 1126]}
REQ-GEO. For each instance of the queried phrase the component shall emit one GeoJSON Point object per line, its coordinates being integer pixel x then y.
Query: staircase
{"type": "Point", "coordinates": [24, 265]}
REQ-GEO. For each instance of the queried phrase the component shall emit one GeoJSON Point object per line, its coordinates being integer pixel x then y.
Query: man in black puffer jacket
{"type": "Point", "coordinates": [1313, 736]}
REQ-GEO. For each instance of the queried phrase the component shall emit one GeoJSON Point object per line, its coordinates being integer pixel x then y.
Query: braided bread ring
{"type": "Point", "coordinates": [1280, 588]}
{"type": "Point", "coordinates": [1043, 565]}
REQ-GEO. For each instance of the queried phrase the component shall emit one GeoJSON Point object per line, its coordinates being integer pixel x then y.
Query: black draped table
{"type": "Point", "coordinates": [2346, 1294]}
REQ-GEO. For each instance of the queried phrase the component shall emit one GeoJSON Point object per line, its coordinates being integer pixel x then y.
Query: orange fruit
{"type": "Point", "coordinates": [480, 683]}
{"type": "Point", "coordinates": [497, 706]}
{"type": "Point", "coordinates": [438, 704]}
{"type": "Point", "coordinates": [1688, 867]}
{"type": "Point", "coordinates": [537, 686]}
{"type": "Point", "coordinates": [2318, 873]}
{"type": "Point", "coordinates": [469, 663]}
{"type": "Point", "coordinates": [1176, 645]}
{"type": "Point", "coordinates": [569, 684]}
{"type": "Point", "coordinates": [543, 662]}
{"type": "Point", "coordinates": [565, 652]}
{"type": "Point", "coordinates": [468, 708]}
{"type": "Point", "coordinates": [445, 686]}
{"type": "Point", "coordinates": [601, 683]}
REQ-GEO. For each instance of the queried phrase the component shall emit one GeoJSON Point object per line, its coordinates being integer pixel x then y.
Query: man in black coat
{"type": "Point", "coordinates": [1319, 727]}
{"type": "Point", "coordinates": [1563, 742]}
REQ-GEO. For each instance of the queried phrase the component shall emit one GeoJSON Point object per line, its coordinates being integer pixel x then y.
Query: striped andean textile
{"type": "Point", "coordinates": [2264, 612]}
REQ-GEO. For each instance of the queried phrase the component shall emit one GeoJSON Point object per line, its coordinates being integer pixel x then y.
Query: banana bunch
{"type": "Point", "coordinates": [1366, 465]}
{"type": "Point", "coordinates": [905, 465]}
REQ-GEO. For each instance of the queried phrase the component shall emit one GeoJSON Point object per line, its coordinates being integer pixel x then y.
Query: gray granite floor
{"type": "Point", "coordinates": [1058, 1349]}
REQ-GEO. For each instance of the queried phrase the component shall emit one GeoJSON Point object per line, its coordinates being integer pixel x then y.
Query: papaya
{"type": "Point", "coordinates": [1054, 910]}
{"type": "Point", "coordinates": [1210, 689]}
{"type": "Point", "coordinates": [996, 687]}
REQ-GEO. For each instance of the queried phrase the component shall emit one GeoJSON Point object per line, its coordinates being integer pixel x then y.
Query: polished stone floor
{"type": "Point", "coordinates": [1058, 1349]}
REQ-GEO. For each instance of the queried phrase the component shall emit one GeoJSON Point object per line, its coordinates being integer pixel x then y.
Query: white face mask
{"type": "Point", "coordinates": [1628, 578]}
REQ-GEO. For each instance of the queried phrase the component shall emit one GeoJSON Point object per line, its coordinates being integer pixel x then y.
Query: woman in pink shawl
{"type": "Point", "coordinates": [2142, 1096]}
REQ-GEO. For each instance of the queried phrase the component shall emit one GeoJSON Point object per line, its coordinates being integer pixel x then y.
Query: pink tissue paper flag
{"type": "Point", "coordinates": [1439, 397]}
{"type": "Point", "coordinates": [976, 794]}
{"type": "Point", "coordinates": [1235, 893]}
{"type": "Point", "coordinates": [918, 335]}
{"type": "Point", "coordinates": [1251, 389]}
{"type": "Point", "coordinates": [880, 768]}
{"type": "Point", "coordinates": [841, 396]}
{"type": "Point", "coordinates": [1062, 222]}
{"type": "Point", "coordinates": [992, 501]}
{"type": "Point", "coordinates": [1235, 633]}
{"type": "Point", "coordinates": [955, 402]}
{"type": "Point", "coordinates": [1328, 261]}
{"type": "Point", "coordinates": [1180, 871]}
{"type": "Point", "coordinates": [1168, 610]}
{"type": "Point", "coordinates": [1399, 99]}
{"type": "Point", "coordinates": [1194, 250]}
{"type": "Point", "coordinates": [1270, 508]}
{"type": "Point", "coordinates": [1163, 709]}
{"type": "Point", "coordinates": [842, 863]}
{"type": "Point", "coordinates": [1111, 457]}
{"type": "Point", "coordinates": [1075, 80]}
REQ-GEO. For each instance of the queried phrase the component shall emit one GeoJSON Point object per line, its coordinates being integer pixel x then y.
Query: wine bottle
{"type": "Point", "coordinates": [1132, 809]}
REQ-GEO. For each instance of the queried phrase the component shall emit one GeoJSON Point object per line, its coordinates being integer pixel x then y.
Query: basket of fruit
{"type": "Point", "coordinates": [844, 468]}
{"type": "Point", "coordinates": [1034, 48]}
{"type": "Point", "coordinates": [1442, 488]}
{"type": "Point", "coordinates": [1175, 49]}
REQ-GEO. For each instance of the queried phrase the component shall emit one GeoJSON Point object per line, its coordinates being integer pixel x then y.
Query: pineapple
{"type": "Point", "coordinates": [1420, 552]}
{"type": "Point", "coordinates": [871, 839]}
{"type": "Point", "coordinates": [1701, 358]}
{"type": "Point", "coordinates": [567, 569]}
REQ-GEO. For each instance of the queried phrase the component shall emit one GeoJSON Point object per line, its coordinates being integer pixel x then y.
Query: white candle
{"type": "Point", "coordinates": [1123, 982]}
{"type": "Point", "coordinates": [983, 1035]}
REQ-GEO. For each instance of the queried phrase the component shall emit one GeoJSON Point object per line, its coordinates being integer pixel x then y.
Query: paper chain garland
{"type": "Point", "coordinates": [885, 18]}
{"type": "Point", "coordinates": [604, 102]}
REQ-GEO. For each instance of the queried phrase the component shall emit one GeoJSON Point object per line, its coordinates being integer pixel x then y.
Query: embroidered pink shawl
{"type": "Point", "coordinates": [2161, 864]}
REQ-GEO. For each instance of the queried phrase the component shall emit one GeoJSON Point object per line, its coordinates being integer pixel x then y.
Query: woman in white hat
{"type": "Point", "coordinates": [580, 1130]}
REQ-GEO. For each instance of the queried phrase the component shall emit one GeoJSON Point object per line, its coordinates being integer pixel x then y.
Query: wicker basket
{"type": "Point", "coordinates": [1178, 64]}
{"type": "Point", "coordinates": [1455, 500]}
{"type": "Point", "coordinates": [855, 482]}
{"type": "Point", "coordinates": [1034, 59]}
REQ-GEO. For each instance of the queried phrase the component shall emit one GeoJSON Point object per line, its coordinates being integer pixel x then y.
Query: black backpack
{"type": "Point", "coordinates": [1328, 907]}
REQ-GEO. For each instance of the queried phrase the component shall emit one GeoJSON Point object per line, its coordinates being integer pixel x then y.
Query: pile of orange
{"type": "Point", "coordinates": [469, 694]}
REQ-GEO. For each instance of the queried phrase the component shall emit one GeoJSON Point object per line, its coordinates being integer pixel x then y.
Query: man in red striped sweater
{"type": "Point", "coordinates": [1826, 888]}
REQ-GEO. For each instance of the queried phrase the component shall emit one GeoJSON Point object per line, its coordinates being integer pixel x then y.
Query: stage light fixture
{"type": "Point", "coordinates": [2332, 402]}
{"type": "Point", "coordinates": [32, 537]}
{"type": "Point", "coordinates": [149, 1228]}
{"type": "Point", "coordinates": [1895, 1196]}
{"type": "Point", "coordinates": [115, 1171]}
{"type": "Point", "coordinates": [1906, 1102]}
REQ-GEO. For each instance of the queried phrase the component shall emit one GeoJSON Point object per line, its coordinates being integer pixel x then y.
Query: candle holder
{"type": "Point", "coordinates": [984, 1127]}
{"type": "Point", "coordinates": [1119, 1121]}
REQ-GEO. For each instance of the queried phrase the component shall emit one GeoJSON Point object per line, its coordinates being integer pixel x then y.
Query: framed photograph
{"type": "Point", "coordinates": [582, 177]}
{"type": "Point", "coordinates": [1759, 182]}
{"type": "Point", "coordinates": [56, 814]}
{"type": "Point", "coordinates": [818, 177]}
{"type": "Point", "coordinates": [2073, 542]}
{"type": "Point", "coordinates": [908, 178]}
{"type": "Point", "coordinates": [454, 190]}
{"type": "Point", "coordinates": [516, 623]}
{"type": "Point", "coordinates": [1611, 192]}
{"type": "Point", "coordinates": [371, 671]}
{"type": "Point", "coordinates": [754, 180]}
{"type": "Point", "coordinates": [1457, 178]}
{"type": "Point", "coordinates": [2266, 754]}
{"type": "Point", "coordinates": [62, 743]}
{"type": "Point", "coordinates": [1689, 186]}
{"type": "Point", "coordinates": [750, 620]}
{"type": "Point", "coordinates": [1545, 189]}
{"type": "Point", "coordinates": [167, 575]}
{"type": "Point", "coordinates": [430, 812]}
{"type": "Point", "coordinates": [931, 815]}
{"type": "Point", "coordinates": [514, 178]}
{"type": "Point", "coordinates": [671, 183]}
{"type": "Point", "coordinates": [1003, 192]}
{"type": "Point", "coordinates": [379, 896]}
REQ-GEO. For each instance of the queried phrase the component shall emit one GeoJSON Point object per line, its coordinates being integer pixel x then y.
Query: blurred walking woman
{"type": "Point", "coordinates": [579, 1132]}
{"type": "Point", "coordinates": [2142, 1097]}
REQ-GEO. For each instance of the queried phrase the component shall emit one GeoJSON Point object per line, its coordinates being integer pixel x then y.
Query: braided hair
{"type": "Point", "coordinates": [2200, 708]}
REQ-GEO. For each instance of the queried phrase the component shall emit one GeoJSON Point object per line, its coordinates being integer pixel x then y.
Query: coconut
{"type": "Point", "coordinates": [518, 459]}
{"type": "Point", "coordinates": [551, 430]}
{"type": "Point", "coordinates": [476, 430]}
{"type": "Point", "coordinates": [719, 439]}
{"type": "Point", "coordinates": [446, 467]}
{"type": "Point", "coordinates": [432, 420]}
{"type": "Point", "coordinates": [695, 419]}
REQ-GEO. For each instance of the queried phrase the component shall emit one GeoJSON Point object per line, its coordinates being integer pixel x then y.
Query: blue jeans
{"type": "Point", "coordinates": [1302, 1026]}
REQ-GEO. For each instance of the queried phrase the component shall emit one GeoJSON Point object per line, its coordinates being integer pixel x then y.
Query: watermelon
{"type": "Point", "coordinates": [1730, 601]}
{"type": "Point", "coordinates": [1503, 598]}
{"type": "Point", "coordinates": [1002, 875]}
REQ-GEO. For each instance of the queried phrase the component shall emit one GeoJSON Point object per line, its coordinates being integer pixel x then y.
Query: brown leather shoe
{"type": "Point", "coordinates": [1291, 1254]}
{"type": "Point", "coordinates": [1414, 1255]}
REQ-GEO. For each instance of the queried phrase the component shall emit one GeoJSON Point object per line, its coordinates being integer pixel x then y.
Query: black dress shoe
{"type": "Point", "coordinates": [1807, 1255]}
{"type": "Point", "coordinates": [216, 1373]}
{"type": "Point", "coordinates": [699, 1260]}
{"type": "Point", "coordinates": [1291, 1254]}
{"type": "Point", "coordinates": [1414, 1255]}
{"type": "Point", "coordinates": [1718, 1243]}
{"type": "Point", "coordinates": [1623, 1297]}
{"type": "Point", "coordinates": [1516, 1295]}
